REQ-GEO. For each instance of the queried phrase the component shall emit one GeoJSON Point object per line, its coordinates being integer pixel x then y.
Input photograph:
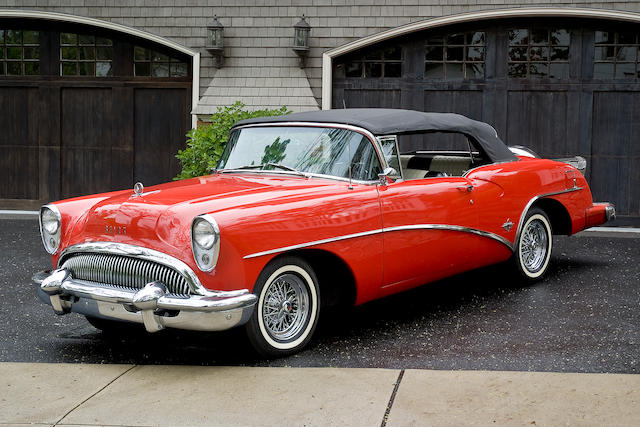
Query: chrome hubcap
{"type": "Point", "coordinates": [534, 246]}
{"type": "Point", "coordinates": [286, 306]}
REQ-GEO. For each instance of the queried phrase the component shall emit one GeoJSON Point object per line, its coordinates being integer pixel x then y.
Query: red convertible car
{"type": "Point", "coordinates": [308, 210]}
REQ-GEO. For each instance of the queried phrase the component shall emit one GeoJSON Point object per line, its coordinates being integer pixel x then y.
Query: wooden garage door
{"type": "Point", "coordinates": [86, 111]}
{"type": "Point", "coordinates": [562, 87]}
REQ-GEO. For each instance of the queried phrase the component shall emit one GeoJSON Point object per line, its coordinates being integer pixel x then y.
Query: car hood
{"type": "Point", "coordinates": [164, 212]}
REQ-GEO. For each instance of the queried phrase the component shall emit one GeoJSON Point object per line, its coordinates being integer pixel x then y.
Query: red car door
{"type": "Point", "coordinates": [428, 226]}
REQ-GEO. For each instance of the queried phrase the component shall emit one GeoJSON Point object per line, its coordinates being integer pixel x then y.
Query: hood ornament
{"type": "Point", "coordinates": [138, 188]}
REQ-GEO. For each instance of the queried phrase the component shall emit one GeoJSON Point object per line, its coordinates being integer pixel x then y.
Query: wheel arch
{"type": "Point", "coordinates": [336, 280]}
{"type": "Point", "coordinates": [557, 213]}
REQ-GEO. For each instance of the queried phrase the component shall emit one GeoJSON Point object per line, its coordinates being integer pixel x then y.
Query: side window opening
{"type": "Point", "coordinates": [438, 154]}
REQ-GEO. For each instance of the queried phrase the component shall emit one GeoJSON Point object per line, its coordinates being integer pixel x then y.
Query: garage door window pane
{"type": "Point", "coordinates": [19, 52]}
{"type": "Point", "coordinates": [160, 70]}
{"type": "Point", "coordinates": [14, 53]}
{"type": "Point", "coordinates": [14, 68]}
{"type": "Point", "coordinates": [537, 53]}
{"type": "Point", "coordinates": [393, 70]}
{"type": "Point", "coordinates": [433, 71]}
{"type": "Point", "coordinates": [456, 56]}
{"type": "Point", "coordinates": [150, 63]}
{"type": "Point", "coordinates": [454, 71]}
{"type": "Point", "coordinates": [616, 55]}
{"type": "Point", "coordinates": [69, 68]}
{"type": "Point", "coordinates": [103, 69]}
{"type": "Point", "coordinates": [353, 69]}
{"type": "Point", "coordinates": [376, 63]}
{"type": "Point", "coordinates": [626, 54]}
{"type": "Point", "coordinates": [86, 68]}
{"type": "Point", "coordinates": [31, 68]}
{"type": "Point", "coordinates": [179, 70]}
{"type": "Point", "coordinates": [31, 53]}
{"type": "Point", "coordinates": [373, 69]}
{"type": "Point", "coordinates": [434, 53]}
{"type": "Point", "coordinates": [85, 55]}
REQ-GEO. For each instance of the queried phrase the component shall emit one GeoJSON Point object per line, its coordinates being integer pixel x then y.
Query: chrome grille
{"type": "Point", "coordinates": [124, 272]}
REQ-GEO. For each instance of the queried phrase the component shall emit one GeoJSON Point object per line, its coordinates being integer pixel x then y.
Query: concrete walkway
{"type": "Point", "coordinates": [130, 395]}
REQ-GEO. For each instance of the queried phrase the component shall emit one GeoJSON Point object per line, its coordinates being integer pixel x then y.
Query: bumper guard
{"type": "Point", "coordinates": [152, 305]}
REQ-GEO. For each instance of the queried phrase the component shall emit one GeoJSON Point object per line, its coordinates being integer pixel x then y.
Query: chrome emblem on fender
{"type": "Point", "coordinates": [507, 225]}
{"type": "Point", "coordinates": [138, 188]}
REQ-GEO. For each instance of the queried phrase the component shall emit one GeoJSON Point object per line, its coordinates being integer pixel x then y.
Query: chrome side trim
{"type": "Point", "coordinates": [385, 230]}
{"type": "Point", "coordinates": [315, 242]}
{"type": "Point", "coordinates": [150, 255]}
{"type": "Point", "coordinates": [459, 228]}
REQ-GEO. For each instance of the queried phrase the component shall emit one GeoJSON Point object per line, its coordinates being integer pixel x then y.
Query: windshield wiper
{"type": "Point", "coordinates": [261, 168]}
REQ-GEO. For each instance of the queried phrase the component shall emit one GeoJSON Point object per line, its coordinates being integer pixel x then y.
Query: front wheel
{"type": "Point", "coordinates": [288, 307]}
{"type": "Point", "coordinates": [533, 247]}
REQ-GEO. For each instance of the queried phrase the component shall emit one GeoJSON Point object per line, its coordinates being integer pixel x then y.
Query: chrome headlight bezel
{"type": "Point", "coordinates": [50, 241]}
{"type": "Point", "coordinates": [205, 248]}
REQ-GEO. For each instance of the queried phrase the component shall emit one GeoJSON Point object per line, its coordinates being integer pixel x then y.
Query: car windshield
{"type": "Point", "coordinates": [300, 149]}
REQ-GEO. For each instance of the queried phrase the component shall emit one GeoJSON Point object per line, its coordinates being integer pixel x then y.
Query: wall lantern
{"type": "Point", "coordinates": [301, 40]}
{"type": "Point", "coordinates": [215, 41]}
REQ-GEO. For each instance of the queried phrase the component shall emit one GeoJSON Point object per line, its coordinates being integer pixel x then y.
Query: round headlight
{"type": "Point", "coordinates": [204, 234]}
{"type": "Point", "coordinates": [50, 221]}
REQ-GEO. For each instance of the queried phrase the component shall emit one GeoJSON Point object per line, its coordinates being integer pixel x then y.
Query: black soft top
{"type": "Point", "coordinates": [385, 121]}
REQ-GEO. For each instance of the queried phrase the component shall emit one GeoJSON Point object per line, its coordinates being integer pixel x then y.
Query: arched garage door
{"type": "Point", "coordinates": [560, 86]}
{"type": "Point", "coordinates": [86, 110]}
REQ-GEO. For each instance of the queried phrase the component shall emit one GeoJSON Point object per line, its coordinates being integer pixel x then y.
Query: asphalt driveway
{"type": "Point", "coordinates": [584, 317]}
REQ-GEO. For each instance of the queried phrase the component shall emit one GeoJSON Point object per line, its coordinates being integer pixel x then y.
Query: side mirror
{"type": "Point", "coordinates": [383, 177]}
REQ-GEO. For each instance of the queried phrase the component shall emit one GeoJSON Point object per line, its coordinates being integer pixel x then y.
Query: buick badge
{"type": "Point", "coordinates": [138, 189]}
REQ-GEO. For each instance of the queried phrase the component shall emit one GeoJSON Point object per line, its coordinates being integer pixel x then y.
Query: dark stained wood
{"type": "Point", "coordinates": [18, 143]}
{"type": "Point", "coordinates": [158, 131]}
{"type": "Point", "coordinates": [62, 137]}
{"type": "Point", "coordinates": [86, 141]}
{"type": "Point", "coordinates": [597, 119]}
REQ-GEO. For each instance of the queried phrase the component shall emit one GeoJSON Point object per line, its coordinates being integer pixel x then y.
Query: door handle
{"type": "Point", "coordinates": [466, 188]}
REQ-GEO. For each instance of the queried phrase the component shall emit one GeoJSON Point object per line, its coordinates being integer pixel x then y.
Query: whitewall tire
{"type": "Point", "coordinates": [288, 307]}
{"type": "Point", "coordinates": [533, 246]}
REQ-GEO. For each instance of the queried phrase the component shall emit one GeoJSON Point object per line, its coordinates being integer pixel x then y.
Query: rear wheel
{"type": "Point", "coordinates": [533, 247]}
{"type": "Point", "coordinates": [288, 307]}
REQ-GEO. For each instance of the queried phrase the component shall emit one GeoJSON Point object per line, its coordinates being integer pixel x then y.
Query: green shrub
{"type": "Point", "coordinates": [206, 143]}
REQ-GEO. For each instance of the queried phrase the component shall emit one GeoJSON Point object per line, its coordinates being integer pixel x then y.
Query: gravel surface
{"type": "Point", "coordinates": [584, 317]}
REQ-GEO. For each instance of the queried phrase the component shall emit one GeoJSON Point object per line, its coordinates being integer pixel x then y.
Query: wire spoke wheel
{"type": "Point", "coordinates": [534, 246]}
{"type": "Point", "coordinates": [286, 307]}
{"type": "Point", "coordinates": [533, 249]}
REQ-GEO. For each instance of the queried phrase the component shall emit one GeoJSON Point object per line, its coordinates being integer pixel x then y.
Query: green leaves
{"type": "Point", "coordinates": [206, 143]}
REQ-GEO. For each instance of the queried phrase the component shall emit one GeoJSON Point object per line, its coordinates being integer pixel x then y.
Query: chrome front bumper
{"type": "Point", "coordinates": [152, 305]}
